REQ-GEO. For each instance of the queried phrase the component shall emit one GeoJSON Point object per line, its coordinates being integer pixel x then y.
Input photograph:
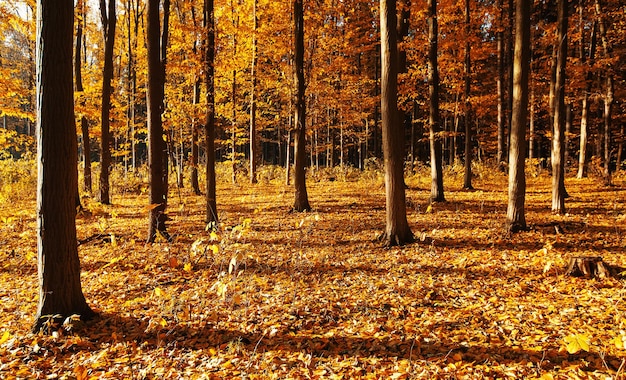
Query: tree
{"type": "Point", "coordinates": [156, 144]}
{"type": "Point", "coordinates": [436, 156]}
{"type": "Point", "coordinates": [60, 292]}
{"type": "Point", "coordinates": [209, 126]}
{"type": "Point", "coordinates": [253, 138]}
{"type": "Point", "coordinates": [108, 26]}
{"type": "Point", "coordinates": [584, 117]}
{"type": "Point", "coordinates": [501, 154]}
{"type": "Point", "coordinates": [558, 137]}
{"type": "Point", "coordinates": [515, 216]}
{"type": "Point", "coordinates": [301, 202]}
{"type": "Point", "coordinates": [78, 78]}
{"type": "Point", "coordinates": [397, 231]}
{"type": "Point", "coordinates": [467, 176]}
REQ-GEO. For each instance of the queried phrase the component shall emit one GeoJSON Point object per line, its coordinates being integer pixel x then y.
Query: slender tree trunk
{"type": "Point", "coordinates": [168, 147]}
{"type": "Point", "coordinates": [467, 177]}
{"type": "Point", "coordinates": [108, 24]}
{"type": "Point", "coordinates": [558, 139]}
{"type": "Point", "coordinates": [253, 138]}
{"type": "Point", "coordinates": [515, 217]}
{"type": "Point", "coordinates": [288, 159]}
{"type": "Point", "coordinates": [209, 127]}
{"type": "Point", "coordinates": [194, 142]}
{"type": "Point", "coordinates": [436, 159]}
{"type": "Point", "coordinates": [608, 98]}
{"type": "Point", "coordinates": [397, 231]}
{"type": "Point", "coordinates": [78, 78]}
{"type": "Point", "coordinates": [584, 123]}
{"type": "Point", "coordinates": [500, 87]}
{"type": "Point", "coordinates": [60, 292]}
{"type": "Point", "coordinates": [301, 202]}
{"type": "Point", "coordinates": [156, 145]}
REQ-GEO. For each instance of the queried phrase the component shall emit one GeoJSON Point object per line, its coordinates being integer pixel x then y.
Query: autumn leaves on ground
{"type": "Point", "coordinates": [276, 294]}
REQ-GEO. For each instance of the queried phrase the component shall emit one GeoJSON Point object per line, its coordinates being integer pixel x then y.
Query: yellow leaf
{"type": "Point", "coordinates": [213, 236]}
{"type": "Point", "coordinates": [215, 248]}
{"type": "Point", "coordinates": [5, 337]}
{"type": "Point", "coordinates": [158, 292]}
{"type": "Point", "coordinates": [163, 322]}
{"type": "Point", "coordinates": [429, 209]}
{"type": "Point", "coordinates": [187, 267]}
{"type": "Point", "coordinates": [113, 241]}
{"type": "Point", "coordinates": [577, 342]}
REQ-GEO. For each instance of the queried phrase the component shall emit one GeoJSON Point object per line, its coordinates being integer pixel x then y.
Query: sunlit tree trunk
{"type": "Point", "coordinates": [60, 291]}
{"type": "Point", "coordinates": [436, 159]}
{"type": "Point", "coordinates": [194, 142]}
{"type": "Point", "coordinates": [515, 217]}
{"type": "Point", "coordinates": [584, 123]}
{"type": "Point", "coordinates": [209, 127]}
{"type": "Point", "coordinates": [608, 97]}
{"type": "Point", "coordinates": [558, 136]}
{"type": "Point", "coordinates": [156, 144]}
{"type": "Point", "coordinates": [108, 25]}
{"type": "Point", "coordinates": [397, 230]}
{"type": "Point", "coordinates": [253, 138]}
{"type": "Point", "coordinates": [500, 87]}
{"type": "Point", "coordinates": [301, 202]}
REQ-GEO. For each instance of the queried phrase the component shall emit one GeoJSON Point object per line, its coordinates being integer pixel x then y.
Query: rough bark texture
{"type": "Point", "coordinates": [590, 267]}
{"type": "Point", "coordinates": [436, 159]}
{"type": "Point", "coordinates": [60, 293]}
{"type": "Point", "coordinates": [156, 144]}
{"type": "Point", "coordinates": [558, 136]}
{"type": "Point", "coordinates": [209, 126]}
{"type": "Point", "coordinates": [515, 217]}
{"type": "Point", "coordinates": [301, 202]}
{"type": "Point", "coordinates": [397, 231]}
{"type": "Point", "coordinates": [108, 23]}
{"type": "Point", "coordinates": [253, 138]}
{"type": "Point", "coordinates": [582, 154]}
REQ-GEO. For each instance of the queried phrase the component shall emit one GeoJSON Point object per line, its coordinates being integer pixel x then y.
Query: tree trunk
{"type": "Point", "coordinates": [253, 138]}
{"type": "Point", "coordinates": [515, 217]}
{"type": "Point", "coordinates": [436, 159]}
{"type": "Point", "coordinates": [194, 142]}
{"type": "Point", "coordinates": [397, 231]}
{"type": "Point", "coordinates": [78, 78]}
{"type": "Point", "coordinates": [108, 25]}
{"type": "Point", "coordinates": [156, 145]}
{"type": "Point", "coordinates": [500, 88]}
{"type": "Point", "coordinates": [584, 124]}
{"type": "Point", "coordinates": [209, 127]}
{"type": "Point", "coordinates": [60, 292]}
{"type": "Point", "coordinates": [608, 98]}
{"type": "Point", "coordinates": [558, 137]}
{"type": "Point", "coordinates": [84, 127]}
{"type": "Point", "coordinates": [467, 177]}
{"type": "Point", "coordinates": [301, 202]}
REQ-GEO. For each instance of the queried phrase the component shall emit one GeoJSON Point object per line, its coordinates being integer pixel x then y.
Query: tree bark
{"type": "Point", "coordinates": [500, 87]}
{"type": "Point", "coordinates": [515, 218]}
{"type": "Point", "coordinates": [209, 128]}
{"type": "Point", "coordinates": [397, 231]}
{"type": "Point", "coordinates": [253, 138]}
{"type": "Point", "coordinates": [60, 292]}
{"type": "Point", "coordinates": [436, 159]}
{"type": "Point", "coordinates": [467, 176]}
{"type": "Point", "coordinates": [301, 202]}
{"type": "Point", "coordinates": [156, 144]}
{"type": "Point", "coordinates": [78, 79]}
{"type": "Point", "coordinates": [195, 185]}
{"type": "Point", "coordinates": [582, 154]}
{"type": "Point", "coordinates": [108, 24]}
{"type": "Point", "coordinates": [558, 136]}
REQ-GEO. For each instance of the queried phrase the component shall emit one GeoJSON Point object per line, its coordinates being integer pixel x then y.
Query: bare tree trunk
{"type": "Point", "coordinates": [608, 98]}
{"type": "Point", "coordinates": [467, 177]}
{"type": "Point", "coordinates": [584, 124]}
{"type": "Point", "coordinates": [156, 145]}
{"type": "Point", "coordinates": [301, 202]}
{"type": "Point", "coordinates": [108, 25]}
{"type": "Point", "coordinates": [397, 231]}
{"type": "Point", "coordinates": [253, 138]}
{"type": "Point", "coordinates": [436, 159]}
{"type": "Point", "coordinates": [60, 291]}
{"type": "Point", "coordinates": [515, 217]}
{"type": "Point", "coordinates": [209, 127]}
{"type": "Point", "coordinates": [78, 78]}
{"type": "Point", "coordinates": [195, 185]}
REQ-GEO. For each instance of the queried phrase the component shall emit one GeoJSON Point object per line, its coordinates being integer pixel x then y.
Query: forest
{"type": "Point", "coordinates": [312, 189]}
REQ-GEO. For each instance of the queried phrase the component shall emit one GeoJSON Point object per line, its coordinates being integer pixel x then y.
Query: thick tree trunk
{"type": "Point", "coordinates": [156, 145]}
{"type": "Point", "coordinates": [558, 136]}
{"type": "Point", "coordinates": [301, 202]}
{"type": "Point", "coordinates": [209, 127]}
{"type": "Point", "coordinates": [108, 23]}
{"type": "Point", "coordinates": [515, 217]}
{"type": "Point", "coordinates": [60, 291]}
{"type": "Point", "coordinates": [397, 231]}
{"type": "Point", "coordinates": [436, 156]}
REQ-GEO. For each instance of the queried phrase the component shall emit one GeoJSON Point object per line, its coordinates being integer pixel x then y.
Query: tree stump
{"type": "Point", "coordinates": [588, 267]}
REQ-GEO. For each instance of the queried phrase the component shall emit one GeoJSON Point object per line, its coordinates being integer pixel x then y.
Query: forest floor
{"type": "Point", "coordinates": [276, 294]}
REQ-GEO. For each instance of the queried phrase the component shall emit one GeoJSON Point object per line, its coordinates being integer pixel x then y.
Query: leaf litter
{"type": "Point", "coordinates": [275, 294]}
